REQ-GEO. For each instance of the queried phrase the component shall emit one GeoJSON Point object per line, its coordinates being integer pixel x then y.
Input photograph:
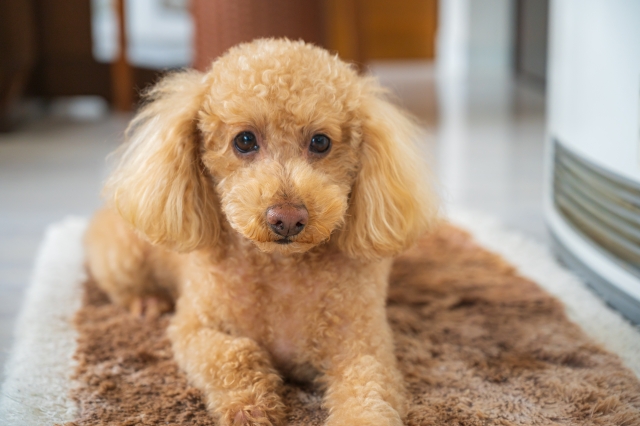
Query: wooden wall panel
{"type": "Point", "coordinates": [363, 30]}
{"type": "Point", "coordinates": [65, 65]}
{"type": "Point", "coordinates": [221, 24]}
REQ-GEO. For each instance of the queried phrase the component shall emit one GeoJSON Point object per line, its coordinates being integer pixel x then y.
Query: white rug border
{"type": "Point", "coordinates": [36, 387]}
{"type": "Point", "coordinates": [536, 262]}
{"type": "Point", "coordinates": [37, 373]}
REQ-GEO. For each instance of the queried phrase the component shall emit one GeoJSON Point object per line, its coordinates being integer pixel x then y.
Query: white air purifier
{"type": "Point", "coordinates": [592, 191]}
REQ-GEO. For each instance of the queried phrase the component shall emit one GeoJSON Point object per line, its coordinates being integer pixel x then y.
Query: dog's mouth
{"type": "Point", "coordinates": [287, 245]}
{"type": "Point", "coordinates": [283, 241]}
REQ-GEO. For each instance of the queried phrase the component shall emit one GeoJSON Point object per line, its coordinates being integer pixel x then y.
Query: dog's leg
{"type": "Point", "coordinates": [132, 272]}
{"type": "Point", "coordinates": [239, 383]}
{"type": "Point", "coordinates": [363, 391]}
{"type": "Point", "coordinates": [363, 384]}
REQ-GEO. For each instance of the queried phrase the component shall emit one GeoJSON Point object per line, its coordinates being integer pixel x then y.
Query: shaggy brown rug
{"type": "Point", "coordinates": [478, 345]}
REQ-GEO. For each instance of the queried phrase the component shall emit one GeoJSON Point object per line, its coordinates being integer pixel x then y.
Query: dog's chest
{"type": "Point", "coordinates": [291, 311]}
{"type": "Point", "coordinates": [281, 312]}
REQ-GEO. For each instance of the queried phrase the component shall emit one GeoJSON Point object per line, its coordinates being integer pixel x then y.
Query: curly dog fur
{"type": "Point", "coordinates": [186, 222]}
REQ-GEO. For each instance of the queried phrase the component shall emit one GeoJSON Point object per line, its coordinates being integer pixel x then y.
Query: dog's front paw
{"type": "Point", "coordinates": [380, 415]}
{"type": "Point", "coordinates": [251, 416]}
{"type": "Point", "coordinates": [267, 410]}
{"type": "Point", "coordinates": [149, 306]}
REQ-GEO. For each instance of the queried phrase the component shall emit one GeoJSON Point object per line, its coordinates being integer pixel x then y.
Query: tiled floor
{"type": "Point", "coordinates": [48, 170]}
{"type": "Point", "coordinates": [484, 138]}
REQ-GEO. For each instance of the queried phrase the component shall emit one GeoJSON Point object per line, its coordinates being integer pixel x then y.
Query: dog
{"type": "Point", "coordinates": [267, 198]}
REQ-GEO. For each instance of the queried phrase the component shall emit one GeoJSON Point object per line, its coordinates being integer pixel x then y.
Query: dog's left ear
{"type": "Point", "coordinates": [392, 202]}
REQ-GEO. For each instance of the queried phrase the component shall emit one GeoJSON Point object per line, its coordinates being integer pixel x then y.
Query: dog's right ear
{"type": "Point", "coordinates": [160, 185]}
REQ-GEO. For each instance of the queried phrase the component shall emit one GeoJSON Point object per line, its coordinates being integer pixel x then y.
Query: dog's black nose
{"type": "Point", "coordinates": [287, 220]}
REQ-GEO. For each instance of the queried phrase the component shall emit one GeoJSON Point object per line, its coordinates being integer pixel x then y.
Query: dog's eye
{"type": "Point", "coordinates": [320, 144]}
{"type": "Point", "coordinates": [245, 142]}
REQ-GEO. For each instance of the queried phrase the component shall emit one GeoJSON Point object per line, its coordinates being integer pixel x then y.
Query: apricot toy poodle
{"type": "Point", "coordinates": [267, 197]}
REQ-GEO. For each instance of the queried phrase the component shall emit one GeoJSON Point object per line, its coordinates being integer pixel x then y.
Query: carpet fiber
{"type": "Point", "coordinates": [478, 345]}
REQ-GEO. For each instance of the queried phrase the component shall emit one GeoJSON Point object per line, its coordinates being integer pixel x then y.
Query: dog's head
{"type": "Point", "coordinates": [286, 143]}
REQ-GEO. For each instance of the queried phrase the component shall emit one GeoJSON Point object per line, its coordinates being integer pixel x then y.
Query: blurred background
{"type": "Point", "coordinates": [531, 108]}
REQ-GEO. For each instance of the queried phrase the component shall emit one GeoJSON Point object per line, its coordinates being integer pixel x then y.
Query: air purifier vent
{"type": "Point", "coordinates": [605, 208]}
